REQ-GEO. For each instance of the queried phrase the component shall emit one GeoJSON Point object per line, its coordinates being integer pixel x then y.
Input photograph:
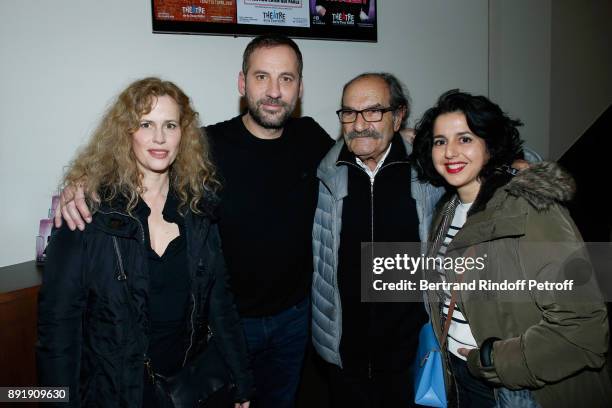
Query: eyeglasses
{"type": "Point", "coordinates": [369, 115]}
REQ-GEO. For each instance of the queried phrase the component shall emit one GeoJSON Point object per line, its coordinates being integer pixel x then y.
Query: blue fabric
{"type": "Point", "coordinates": [515, 399]}
{"type": "Point", "coordinates": [277, 345]}
{"type": "Point", "coordinates": [429, 386]}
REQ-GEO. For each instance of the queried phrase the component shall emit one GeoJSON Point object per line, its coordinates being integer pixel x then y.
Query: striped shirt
{"type": "Point", "coordinates": [459, 333]}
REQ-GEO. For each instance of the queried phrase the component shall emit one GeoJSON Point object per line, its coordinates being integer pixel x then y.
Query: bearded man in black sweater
{"type": "Point", "coordinates": [267, 161]}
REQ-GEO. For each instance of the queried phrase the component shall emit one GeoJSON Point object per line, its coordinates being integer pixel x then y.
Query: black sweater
{"type": "Point", "coordinates": [383, 336]}
{"type": "Point", "coordinates": [268, 200]}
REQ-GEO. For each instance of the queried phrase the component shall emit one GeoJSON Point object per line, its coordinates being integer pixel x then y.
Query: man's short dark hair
{"type": "Point", "coordinates": [399, 96]}
{"type": "Point", "coordinates": [484, 118]}
{"type": "Point", "coordinates": [269, 41]}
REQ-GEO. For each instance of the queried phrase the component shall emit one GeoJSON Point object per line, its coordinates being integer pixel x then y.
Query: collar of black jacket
{"type": "Point", "coordinates": [397, 154]}
{"type": "Point", "coordinates": [113, 218]}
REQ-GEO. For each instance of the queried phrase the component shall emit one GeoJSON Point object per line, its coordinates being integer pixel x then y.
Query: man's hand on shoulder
{"type": "Point", "coordinates": [73, 208]}
{"type": "Point", "coordinates": [520, 164]}
{"type": "Point", "coordinates": [408, 134]}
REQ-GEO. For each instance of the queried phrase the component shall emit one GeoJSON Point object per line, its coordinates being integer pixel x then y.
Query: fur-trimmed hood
{"type": "Point", "coordinates": [542, 185]}
{"type": "Point", "coordinates": [506, 213]}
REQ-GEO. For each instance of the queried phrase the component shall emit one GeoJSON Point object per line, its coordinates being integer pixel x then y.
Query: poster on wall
{"type": "Point", "coordinates": [205, 11]}
{"type": "Point", "coordinates": [289, 13]}
{"type": "Point", "coordinates": [353, 20]}
{"type": "Point", "coordinates": [343, 13]}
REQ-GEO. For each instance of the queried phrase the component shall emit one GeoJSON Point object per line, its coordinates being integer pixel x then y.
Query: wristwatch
{"type": "Point", "coordinates": [485, 351]}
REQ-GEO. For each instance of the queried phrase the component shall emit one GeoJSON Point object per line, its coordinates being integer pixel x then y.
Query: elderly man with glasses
{"type": "Point", "coordinates": [367, 194]}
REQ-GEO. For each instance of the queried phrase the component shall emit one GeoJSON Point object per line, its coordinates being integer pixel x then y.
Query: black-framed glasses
{"type": "Point", "coordinates": [369, 114]}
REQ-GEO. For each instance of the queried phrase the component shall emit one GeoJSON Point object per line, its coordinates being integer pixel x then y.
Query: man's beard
{"type": "Point", "coordinates": [364, 133]}
{"type": "Point", "coordinates": [277, 121]}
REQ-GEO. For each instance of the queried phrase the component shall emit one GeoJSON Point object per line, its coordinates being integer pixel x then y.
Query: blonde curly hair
{"type": "Point", "coordinates": [106, 166]}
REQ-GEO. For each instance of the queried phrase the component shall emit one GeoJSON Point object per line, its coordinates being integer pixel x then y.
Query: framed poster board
{"type": "Point", "coordinates": [352, 20]}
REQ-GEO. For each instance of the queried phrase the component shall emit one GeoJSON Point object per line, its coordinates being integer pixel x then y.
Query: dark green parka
{"type": "Point", "coordinates": [551, 342]}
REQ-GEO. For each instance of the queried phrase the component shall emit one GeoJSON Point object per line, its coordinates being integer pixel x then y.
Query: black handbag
{"type": "Point", "coordinates": [197, 381]}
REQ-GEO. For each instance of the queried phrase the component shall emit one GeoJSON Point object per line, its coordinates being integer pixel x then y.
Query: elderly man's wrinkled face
{"type": "Point", "coordinates": [369, 140]}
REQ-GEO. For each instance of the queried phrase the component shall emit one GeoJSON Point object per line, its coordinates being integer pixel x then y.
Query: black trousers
{"type": "Point", "coordinates": [473, 392]}
{"type": "Point", "coordinates": [357, 389]}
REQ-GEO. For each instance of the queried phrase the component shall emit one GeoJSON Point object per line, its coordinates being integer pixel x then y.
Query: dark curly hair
{"type": "Point", "coordinates": [484, 118]}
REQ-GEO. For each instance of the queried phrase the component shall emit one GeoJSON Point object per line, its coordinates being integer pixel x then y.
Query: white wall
{"type": "Point", "coordinates": [519, 70]}
{"type": "Point", "coordinates": [63, 61]}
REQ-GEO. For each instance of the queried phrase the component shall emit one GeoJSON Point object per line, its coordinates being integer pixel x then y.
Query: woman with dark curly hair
{"type": "Point", "coordinates": [527, 349]}
{"type": "Point", "coordinates": [142, 290]}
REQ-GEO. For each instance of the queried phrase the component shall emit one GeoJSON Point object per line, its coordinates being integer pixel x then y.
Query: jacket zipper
{"type": "Point", "coordinates": [335, 238]}
{"type": "Point", "coordinates": [192, 329]}
{"type": "Point", "coordinates": [372, 180]}
{"type": "Point", "coordinates": [122, 275]}
{"type": "Point", "coordinates": [371, 257]}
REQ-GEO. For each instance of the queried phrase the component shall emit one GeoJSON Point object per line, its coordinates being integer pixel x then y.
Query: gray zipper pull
{"type": "Point", "coordinates": [121, 276]}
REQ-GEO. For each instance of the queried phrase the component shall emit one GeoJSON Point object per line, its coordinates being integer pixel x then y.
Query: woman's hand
{"type": "Point", "coordinates": [242, 404]}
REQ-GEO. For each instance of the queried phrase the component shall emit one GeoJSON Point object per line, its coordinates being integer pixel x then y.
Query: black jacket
{"type": "Point", "coordinates": [88, 332]}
